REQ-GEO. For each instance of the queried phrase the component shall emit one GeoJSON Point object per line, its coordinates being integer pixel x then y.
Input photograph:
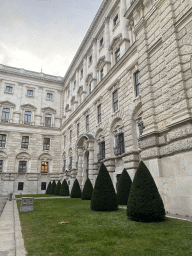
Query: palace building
{"type": "Point", "coordinates": [126, 96]}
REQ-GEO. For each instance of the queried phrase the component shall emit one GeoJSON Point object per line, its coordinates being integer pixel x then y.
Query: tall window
{"type": "Point", "coordinates": [101, 74]}
{"type": "Point", "coordinates": [20, 185]}
{"type": "Point", "coordinates": [101, 42]}
{"type": "Point", "coordinates": [22, 166]}
{"type": "Point", "coordinates": [87, 123]}
{"type": "Point", "coordinates": [64, 140]}
{"type": "Point", "coordinates": [70, 162]}
{"type": "Point", "coordinates": [27, 117]}
{"type": "Point", "coordinates": [115, 100]}
{"type": "Point", "coordinates": [90, 59]}
{"type": "Point", "coordinates": [5, 114]}
{"type": "Point", "coordinates": [64, 164]}
{"type": "Point", "coordinates": [1, 165]}
{"type": "Point", "coordinates": [44, 167]}
{"type": "Point", "coordinates": [117, 55]}
{"type": "Point", "coordinates": [70, 136]}
{"type": "Point", "coordinates": [101, 154]}
{"type": "Point", "coordinates": [137, 84]}
{"type": "Point", "coordinates": [74, 84]}
{"type": "Point", "coordinates": [9, 89]}
{"type": "Point", "coordinates": [2, 140]}
{"type": "Point", "coordinates": [25, 142]}
{"type": "Point", "coordinates": [46, 144]}
{"type": "Point", "coordinates": [89, 88]}
{"type": "Point", "coordinates": [81, 72]}
{"type": "Point", "coordinates": [115, 20]}
{"type": "Point", "coordinates": [30, 92]}
{"type": "Point", "coordinates": [48, 120]}
{"type": "Point", "coordinates": [49, 96]}
{"type": "Point", "coordinates": [99, 113]}
{"type": "Point", "coordinates": [77, 130]}
{"type": "Point", "coordinates": [119, 147]}
{"type": "Point", "coordinates": [43, 185]}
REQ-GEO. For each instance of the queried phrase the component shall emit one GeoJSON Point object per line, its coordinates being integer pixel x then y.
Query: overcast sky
{"type": "Point", "coordinates": [43, 33]}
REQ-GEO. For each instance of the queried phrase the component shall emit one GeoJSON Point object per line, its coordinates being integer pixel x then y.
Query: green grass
{"type": "Point", "coordinates": [35, 195]}
{"type": "Point", "coordinates": [99, 233]}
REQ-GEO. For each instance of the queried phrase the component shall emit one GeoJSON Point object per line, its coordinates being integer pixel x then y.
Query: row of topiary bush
{"type": "Point", "coordinates": [58, 189]}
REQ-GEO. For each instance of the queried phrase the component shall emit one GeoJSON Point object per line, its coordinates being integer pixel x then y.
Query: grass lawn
{"type": "Point", "coordinates": [99, 233]}
{"type": "Point", "coordinates": [37, 195]}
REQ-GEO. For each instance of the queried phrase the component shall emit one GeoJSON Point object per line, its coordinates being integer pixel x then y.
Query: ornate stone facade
{"type": "Point", "coordinates": [126, 96]}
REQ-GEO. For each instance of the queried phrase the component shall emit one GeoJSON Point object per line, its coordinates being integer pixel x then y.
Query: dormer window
{"type": "Point", "coordinates": [29, 92]}
{"type": "Point", "coordinates": [115, 21]}
{"type": "Point", "coordinates": [90, 59]}
{"type": "Point", "coordinates": [101, 42]}
{"type": "Point", "coordinates": [49, 96]}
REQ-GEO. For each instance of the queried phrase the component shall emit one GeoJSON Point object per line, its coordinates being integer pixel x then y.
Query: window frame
{"type": "Point", "coordinates": [137, 83]}
{"type": "Point", "coordinates": [20, 186]}
{"type": "Point", "coordinates": [43, 185]}
{"type": "Point", "coordinates": [78, 126]}
{"type": "Point", "coordinates": [1, 165]}
{"type": "Point", "coordinates": [7, 89]}
{"type": "Point", "coordinates": [24, 144]}
{"type": "Point", "coordinates": [90, 88]}
{"type": "Point", "coordinates": [115, 102]}
{"type": "Point", "coordinates": [87, 123]}
{"type": "Point", "coordinates": [90, 59]}
{"type": "Point", "coordinates": [117, 55]}
{"type": "Point", "coordinates": [101, 74]}
{"type": "Point", "coordinates": [46, 146]}
{"type": "Point", "coordinates": [99, 113]}
{"type": "Point", "coordinates": [48, 96]}
{"type": "Point", "coordinates": [101, 42]}
{"type": "Point", "coordinates": [6, 113]}
{"type": "Point", "coordinates": [26, 116]}
{"type": "Point", "coordinates": [115, 20]}
{"type": "Point", "coordinates": [28, 94]}
{"type": "Point", "coordinates": [47, 169]}
{"type": "Point", "coordinates": [22, 167]}
{"type": "Point", "coordinates": [2, 141]}
{"type": "Point", "coordinates": [64, 141]}
{"type": "Point", "coordinates": [48, 120]}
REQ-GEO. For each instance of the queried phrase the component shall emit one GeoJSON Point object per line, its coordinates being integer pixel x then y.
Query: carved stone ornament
{"type": "Point", "coordinates": [116, 42]}
{"type": "Point", "coordinates": [85, 145]}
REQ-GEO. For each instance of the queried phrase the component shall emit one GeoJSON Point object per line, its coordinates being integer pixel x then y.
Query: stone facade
{"type": "Point", "coordinates": [126, 96]}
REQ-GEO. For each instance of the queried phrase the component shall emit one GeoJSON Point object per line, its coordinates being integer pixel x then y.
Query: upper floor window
{"type": "Point", "coordinates": [27, 117]}
{"type": "Point", "coordinates": [46, 144]}
{"type": "Point", "coordinates": [89, 88]}
{"type": "Point", "coordinates": [48, 120]}
{"type": "Point", "coordinates": [20, 185]}
{"type": "Point", "coordinates": [101, 42]}
{"type": "Point", "coordinates": [29, 92]}
{"type": "Point", "coordinates": [2, 140]}
{"type": "Point", "coordinates": [87, 123]}
{"type": "Point", "coordinates": [43, 185]}
{"type": "Point", "coordinates": [115, 21]}
{"type": "Point", "coordinates": [90, 59]}
{"type": "Point", "coordinates": [5, 114]}
{"type": "Point", "coordinates": [64, 164]}
{"type": "Point", "coordinates": [117, 55]}
{"type": "Point", "coordinates": [102, 73]}
{"type": "Point", "coordinates": [25, 142]}
{"type": "Point", "coordinates": [101, 154]}
{"type": "Point", "coordinates": [119, 147]}
{"type": "Point", "coordinates": [44, 167]}
{"type": "Point", "coordinates": [70, 162]}
{"type": "Point", "coordinates": [70, 136]}
{"type": "Point", "coordinates": [81, 72]}
{"type": "Point", "coordinates": [77, 130]}
{"type": "Point", "coordinates": [9, 89]}
{"type": "Point", "coordinates": [99, 113]}
{"type": "Point", "coordinates": [49, 96]}
{"type": "Point", "coordinates": [74, 84]}
{"type": "Point", "coordinates": [22, 166]}
{"type": "Point", "coordinates": [1, 165]}
{"type": "Point", "coordinates": [115, 100]}
{"type": "Point", "coordinates": [137, 84]}
{"type": "Point", "coordinates": [64, 140]}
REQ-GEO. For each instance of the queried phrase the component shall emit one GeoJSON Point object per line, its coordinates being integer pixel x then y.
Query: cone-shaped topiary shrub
{"type": "Point", "coordinates": [64, 191]}
{"type": "Point", "coordinates": [48, 188]}
{"type": "Point", "coordinates": [144, 203]}
{"type": "Point", "coordinates": [123, 188]}
{"type": "Point", "coordinates": [87, 190]}
{"type": "Point", "coordinates": [57, 188]}
{"type": "Point", "coordinates": [76, 191]}
{"type": "Point", "coordinates": [53, 186]}
{"type": "Point", "coordinates": [104, 197]}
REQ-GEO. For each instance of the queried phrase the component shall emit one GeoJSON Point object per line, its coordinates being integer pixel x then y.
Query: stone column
{"type": "Point", "coordinates": [80, 167]}
{"type": "Point", "coordinates": [91, 160]}
{"type": "Point", "coordinates": [124, 30]}
{"type": "Point", "coordinates": [84, 77]}
{"type": "Point", "coordinates": [107, 40]}
{"type": "Point", "coordinates": [94, 63]}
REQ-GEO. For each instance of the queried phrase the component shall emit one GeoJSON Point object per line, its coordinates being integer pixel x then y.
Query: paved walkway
{"type": "Point", "coordinates": [11, 241]}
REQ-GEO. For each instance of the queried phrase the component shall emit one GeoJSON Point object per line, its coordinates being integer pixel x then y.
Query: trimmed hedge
{"type": "Point", "coordinates": [48, 188]}
{"type": "Point", "coordinates": [57, 188]}
{"type": "Point", "coordinates": [87, 190]}
{"type": "Point", "coordinates": [145, 203]}
{"type": "Point", "coordinates": [104, 197]}
{"type": "Point", "coordinates": [64, 191]}
{"type": "Point", "coordinates": [76, 191]}
{"type": "Point", "coordinates": [53, 186]}
{"type": "Point", "coordinates": [123, 188]}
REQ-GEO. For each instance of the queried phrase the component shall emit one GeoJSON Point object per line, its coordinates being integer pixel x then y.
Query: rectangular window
{"type": "Point", "coordinates": [25, 142]}
{"type": "Point", "coordinates": [115, 100]}
{"type": "Point", "coordinates": [70, 162]}
{"type": "Point", "coordinates": [81, 72]}
{"type": "Point", "coordinates": [89, 88]}
{"type": "Point", "coordinates": [70, 136]}
{"type": "Point", "coordinates": [27, 117]}
{"type": "Point", "coordinates": [20, 185]}
{"type": "Point", "coordinates": [43, 185]}
{"type": "Point", "coordinates": [99, 113]}
{"type": "Point", "coordinates": [64, 164]}
{"type": "Point", "coordinates": [48, 120]}
{"type": "Point", "coordinates": [9, 89]}
{"type": "Point", "coordinates": [87, 123]}
{"type": "Point", "coordinates": [121, 143]}
{"type": "Point", "coordinates": [68, 93]}
{"type": "Point", "coordinates": [101, 154]}
{"type": "Point", "coordinates": [44, 167]}
{"type": "Point", "coordinates": [22, 166]}
{"type": "Point", "coordinates": [115, 21]}
{"type": "Point", "coordinates": [101, 41]}
{"type": "Point", "coordinates": [137, 84]}
{"type": "Point", "coordinates": [2, 140]}
{"type": "Point", "coordinates": [30, 92]}
{"type": "Point", "coordinates": [101, 74]}
{"type": "Point", "coordinates": [119, 146]}
{"type": "Point", "coordinates": [77, 130]}
{"type": "Point", "coordinates": [90, 59]}
{"type": "Point", "coordinates": [1, 165]}
{"type": "Point", "coordinates": [74, 83]}
{"type": "Point", "coordinates": [49, 96]}
{"type": "Point", "coordinates": [117, 55]}
{"type": "Point", "coordinates": [46, 144]}
{"type": "Point", "coordinates": [64, 140]}
{"type": "Point", "coordinates": [5, 114]}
